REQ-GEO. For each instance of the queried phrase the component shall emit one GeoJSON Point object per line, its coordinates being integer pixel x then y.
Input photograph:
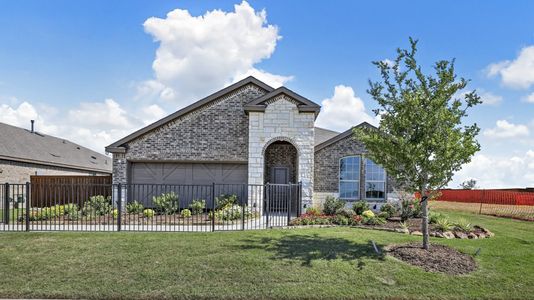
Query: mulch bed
{"type": "Point", "coordinates": [438, 258]}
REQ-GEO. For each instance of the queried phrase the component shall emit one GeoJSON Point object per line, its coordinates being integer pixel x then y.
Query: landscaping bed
{"type": "Point", "coordinates": [438, 258]}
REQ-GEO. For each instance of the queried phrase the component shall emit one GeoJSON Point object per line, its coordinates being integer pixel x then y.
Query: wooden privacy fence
{"type": "Point", "coordinates": [67, 189]}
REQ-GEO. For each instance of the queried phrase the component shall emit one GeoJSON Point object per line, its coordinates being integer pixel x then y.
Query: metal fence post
{"type": "Point", "coordinates": [6, 204]}
{"type": "Point", "coordinates": [119, 206]}
{"type": "Point", "coordinates": [213, 207]}
{"type": "Point", "coordinates": [266, 208]}
{"type": "Point", "coordinates": [27, 208]}
{"type": "Point", "coordinates": [289, 202]}
{"type": "Point", "coordinates": [299, 199]}
{"type": "Point", "coordinates": [243, 206]}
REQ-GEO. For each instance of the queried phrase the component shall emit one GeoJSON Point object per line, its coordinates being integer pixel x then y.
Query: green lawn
{"type": "Point", "coordinates": [297, 263]}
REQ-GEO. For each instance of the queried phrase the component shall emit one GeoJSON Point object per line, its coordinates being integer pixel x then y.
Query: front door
{"type": "Point", "coordinates": [280, 175]}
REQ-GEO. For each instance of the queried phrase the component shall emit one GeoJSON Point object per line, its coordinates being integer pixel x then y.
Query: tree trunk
{"type": "Point", "coordinates": [424, 224]}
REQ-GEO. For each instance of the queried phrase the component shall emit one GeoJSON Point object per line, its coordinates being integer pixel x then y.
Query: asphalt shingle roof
{"type": "Point", "coordinates": [322, 135]}
{"type": "Point", "coordinates": [22, 145]}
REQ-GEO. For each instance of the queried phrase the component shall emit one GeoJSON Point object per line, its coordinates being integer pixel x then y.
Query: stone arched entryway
{"type": "Point", "coordinates": [280, 163]}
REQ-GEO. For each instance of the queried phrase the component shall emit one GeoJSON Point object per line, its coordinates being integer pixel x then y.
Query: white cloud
{"type": "Point", "coordinates": [498, 171]}
{"type": "Point", "coordinates": [343, 110]}
{"type": "Point", "coordinates": [200, 54]}
{"type": "Point", "coordinates": [91, 124]}
{"type": "Point", "coordinates": [518, 73]}
{"type": "Point", "coordinates": [488, 98]}
{"type": "Point", "coordinates": [504, 129]}
{"type": "Point", "coordinates": [529, 98]}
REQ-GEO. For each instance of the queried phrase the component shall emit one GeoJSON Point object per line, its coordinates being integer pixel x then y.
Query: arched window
{"type": "Point", "coordinates": [349, 178]}
{"type": "Point", "coordinates": [375, 181]}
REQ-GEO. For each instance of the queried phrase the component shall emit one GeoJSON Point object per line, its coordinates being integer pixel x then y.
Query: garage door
{"type": "Point", "coordinates": [189, 180]}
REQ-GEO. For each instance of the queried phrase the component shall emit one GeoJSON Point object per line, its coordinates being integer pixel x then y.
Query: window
{"type": "Point", "coordinates": [375, 181]}
{"type": "Point", "coordinates": [349, 178]}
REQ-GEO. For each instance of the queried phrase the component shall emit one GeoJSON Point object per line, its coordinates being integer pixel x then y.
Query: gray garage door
{"type": "Point", "coordinates": [189, 180]}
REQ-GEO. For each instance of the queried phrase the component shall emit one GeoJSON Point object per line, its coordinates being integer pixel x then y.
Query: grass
{"type": "Point", "coordinates": [298, 263]}
{"type": "Point", "coordinates": [525, 212]}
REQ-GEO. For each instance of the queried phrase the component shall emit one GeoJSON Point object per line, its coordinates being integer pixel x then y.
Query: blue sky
{"type": "Point", "coordinates": [72, 65]}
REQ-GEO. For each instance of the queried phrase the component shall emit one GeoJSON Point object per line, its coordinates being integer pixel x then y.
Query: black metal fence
{"type": "Point", "coordinates": [147, 207]}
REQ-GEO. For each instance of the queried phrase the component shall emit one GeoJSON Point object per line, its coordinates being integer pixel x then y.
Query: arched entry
{"type": "Point", "coordinates": [280, 163]}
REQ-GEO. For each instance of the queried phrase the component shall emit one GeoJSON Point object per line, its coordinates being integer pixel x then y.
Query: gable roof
{"type": "Point", "coordinates": [340, 136]}
{"type": "Point", "coordinates": [322, 135]}
{"type": "Point", "coordinates": [19, 144]}
{"type": "Point", "coordinates": [116, 147]}
{"type": "Point", "coordinates": [305, 105]}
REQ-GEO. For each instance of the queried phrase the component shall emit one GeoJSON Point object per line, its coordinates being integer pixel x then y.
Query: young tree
{"type": "Point", "coordinates": [470, 184]}
{"type": "Point", "coordinates": [420, 140]}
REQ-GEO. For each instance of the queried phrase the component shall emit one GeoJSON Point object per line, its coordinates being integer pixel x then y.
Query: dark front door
{"type": "Point", "coordinates": [280, 175]}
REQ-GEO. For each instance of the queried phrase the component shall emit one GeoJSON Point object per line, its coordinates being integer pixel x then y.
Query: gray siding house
{"type": "Point", "coordinates": [24, 153]}
{"type": "Point", "coordinates": [250, 133]}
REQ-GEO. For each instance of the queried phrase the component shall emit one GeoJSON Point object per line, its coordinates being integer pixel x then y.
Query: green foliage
{"type": "Point", "coordinates": [463, 225]}
{"type": "Point", "coordinates": [373, 220]}
{"type": "Point", "coordinates": [333, 206]}
{"type": "Point", "coordinates": [411, 209]}
{"type": "Point", "coordinates": [186, 213]}
{"type": "Point", "coordinates": [309, 219]}
{"type": "Point", "coordinates": [470, 184]}
{"type": "Point", "coordinates": [134, 207]}
{"type": "Point", "coordinates": [166, 203]}
{"type": "Point", "coordinates": [340, 220]}
{"type": "Point", "coordinates": [434, 216]}
{"type": "Point", "coordinates": [197, 206]}
{"type": "Point", "coordinates": [443, 224]}
{"type": "Point", "coordinates": [314, 211]}
{"type": "Point", "coordinates": [368, 214]}
{"type": "Point", "coordinates": [148, 213]}
{"type": "Point", "coordinates": [115, 213]}
{"type": "Point", "coordinates": [232, 213]}
{"type": "Point", "coordinates": [403, 225]}
{"type": "Point", "coordinates": [97, 206]}
{"type": "Point", "coordinates": [389, 210]}
{"type": "Point", "coordinates": [384, 215]}
{"type": "Point", "coordinates": [225, 201]}
{"type": "Point", "coordinates": [360, 206]}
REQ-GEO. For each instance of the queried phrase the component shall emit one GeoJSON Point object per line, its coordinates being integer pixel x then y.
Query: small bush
{"type": "Point", "coordinates": [166, 203]}
{"type": "Point", "coordinates": [314, 211]}
{"type": "Point", "coordinates": [340, 220]}
{"type": "Point", "coordinates": [97, 206]}
{"type": "Point", "coordinates": [368, 214]}
{"type": "Point", "coordinates": [434, 216]}
{"type": "Point", "coordinates": [356, 220]}
{"type": "Point", "coordinates": [463, 225]}
{"type": "Point", "coordinates": [442, 224]}
{"type": "Point", "coordinates": [411, 209]}
{"type": "Point", "coordinates": [374, 221]}
{"type": "Point", "coordinates": [186, 213]}
{"type": "Point", "coordinates": [333, 206]}
{"type": "Point", "coordinates": [149, 213]}
{"type": "Point", "coordinates": [115, 213]}
{"type": "Point", "coordinates": [389, 209]}
{"type": "Point", "coordinates": [134, 207]}
{"type": "Point", "coordinates": [225, 201]}
{"type": "Point", "coordinates": [232, 213]}
{"type": "Point", "coordinates": [383, 214]}
{"type": "Point", "coordinates": [307, 219]}
{"type": "Point", "coordinates": [360, 206]}
{"type": "Point", "coordinates": [197, 206]}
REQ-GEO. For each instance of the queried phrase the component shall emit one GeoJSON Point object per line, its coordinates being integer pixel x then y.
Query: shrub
{"type": "Point", "coordinates": [134, 207]}
{"type": "Point", "coordinates": [307, 219]}
{"type": "Point", "coordinates": [333, 206]}
{"type": "Point", "coordinates": [73, 215]}
{"type": "Point", "coordinates": [356, 220]}
{"type": "Point", "coordinates": [197, 206]}
{"type": "Point", "coordinates": [360, 206]}
{"type": "Point", "coordinates": [463, 225]}
{"type": "Point", "coordinates": [225, 201]}
{"type": "Point", "coordinates": [149, 213]}
{"type": "Point", "coordinates": [97, 206]}
{"type": "Point", "coordinates": [374, 221]}
{"type": "Point", "coordinates": [434, 216]}
{"type": "Point", "coordinates": [368, 214]}
{"type": "Point", "coordinates": [389, 209]}
{"type": "Point", "coordinates": [231, 213]}
{"type": "Point", "coordinates": [314, 211]}
{"type": "Point", "coordinates": [115, 213]}
{"type": "Point", "coordinates": [349, 213]}
{"type": "Point", "coordinates": [186, 213]}
{"type": "Point", "coordinates": [411, 209]}
{"type": "Point", "coordinates": [442, 224]}
{"type": "Point", "coordinates": [166, 203]}
{"type": "Point", "coordinates": [384, 215]}
{"type": "Point", "coordinates": [404, 226]}
{"type": "Point", "coordinates": [340, 220]}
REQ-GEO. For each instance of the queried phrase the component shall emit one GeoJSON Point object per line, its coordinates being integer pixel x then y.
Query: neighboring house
{"type": "Point", "coordinates": [24, 153]}
{"type": "Point", "coordinates": [250, 133]}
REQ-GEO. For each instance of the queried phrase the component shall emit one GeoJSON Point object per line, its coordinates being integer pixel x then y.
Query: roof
{"type": "Point", "coordinates": [18, 144]}
{"type": "Point", "coordinates": [116, 147]}
{"type": "Point", "coordinates": [322, 135]}
{"type": "Point", "coordinates": [304, 104]}
{"type": "Point", "coordinates": [340, 136]}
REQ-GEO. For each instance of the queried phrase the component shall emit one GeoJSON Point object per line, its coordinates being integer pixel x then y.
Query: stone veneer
{"type": "Point", "coordinates": [282, 121]}
{"type": "Point", "coordinates": [217, 132]}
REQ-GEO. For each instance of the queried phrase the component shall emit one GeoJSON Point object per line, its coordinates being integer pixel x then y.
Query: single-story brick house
{"type": "Point", "coordinates": [250, 133]}
{"type": "Point", "coordinates": [26, 152]}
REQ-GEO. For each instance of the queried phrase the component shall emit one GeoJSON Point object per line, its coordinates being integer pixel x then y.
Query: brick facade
{"type": "Point", "coordinates": [19, 172]}
{"type": "Point", "coordinates": [217, 132]}
{"type": "Point", "coordinates": [281, 154]}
